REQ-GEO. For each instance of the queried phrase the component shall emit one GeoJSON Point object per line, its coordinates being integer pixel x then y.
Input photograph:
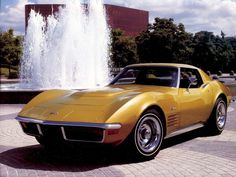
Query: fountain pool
{"type": "Point", "coordinates": [66, 50]}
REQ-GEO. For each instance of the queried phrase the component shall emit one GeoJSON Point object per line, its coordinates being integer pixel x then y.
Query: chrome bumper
{"type": "Point", "coordinates": [65, 127]}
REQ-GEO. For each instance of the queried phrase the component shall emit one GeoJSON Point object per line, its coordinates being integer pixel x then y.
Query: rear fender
{"type": "Point", "coordinates": [220, 89]}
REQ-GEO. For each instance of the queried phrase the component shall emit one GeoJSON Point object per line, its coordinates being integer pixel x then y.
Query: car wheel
{"type": "Point", "coordinates": [218, 117]}
{"type": "Point", "coordinates": [147, 136]}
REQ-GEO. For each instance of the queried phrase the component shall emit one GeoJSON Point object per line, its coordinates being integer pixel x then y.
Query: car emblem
{"type": "Point", "coordinates": [53, 113]}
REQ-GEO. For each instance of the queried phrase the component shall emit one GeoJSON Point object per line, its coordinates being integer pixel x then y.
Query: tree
{"type": "Point", "coordinates": [182, 46]}
{"type": "Point", "coordinates": [224, 53]}
{"type": "Point", "coordinates": [10, 48]}
{"type": "Point", "coordinates": [123, 49]}
{"type": "Point", "coordinates": [164, 41]}
{"type": "Point", "coordinates": [232, 62]}
{"type": "Point", "coordinates": [211, 49]}
{"type": "Point", "coordinates": [204, 50]}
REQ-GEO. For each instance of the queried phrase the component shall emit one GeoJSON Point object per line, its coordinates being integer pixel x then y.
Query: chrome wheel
{"type": "Point", "coordinates": [221, 114]}
{"type": "Point", "coordinates": [148, 134]}
{"type": "Point", "coordinates": [217, 120]}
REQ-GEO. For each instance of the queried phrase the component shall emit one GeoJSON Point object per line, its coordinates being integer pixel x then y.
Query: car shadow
{"type": "Point", "coordinates": [78, 158]}
{"type": "Point", "coordinates": [200, 132]}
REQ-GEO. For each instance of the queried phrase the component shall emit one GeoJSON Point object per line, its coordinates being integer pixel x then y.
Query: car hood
{"type": "Point", "coordinates": [84, 106]}
{"type": "Point", "coordinates": [94, 106]}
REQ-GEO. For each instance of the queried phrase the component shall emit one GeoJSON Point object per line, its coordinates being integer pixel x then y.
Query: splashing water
{"type": "Point", "coordinates": [67, 50]}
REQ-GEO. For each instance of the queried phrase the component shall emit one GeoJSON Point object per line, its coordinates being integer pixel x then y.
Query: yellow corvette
{"type": "Point", "coordinates": [142, 105]}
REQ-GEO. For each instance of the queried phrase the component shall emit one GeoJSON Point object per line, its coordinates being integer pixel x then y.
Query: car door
{"type": "Point", "coordinates": [193, 99]}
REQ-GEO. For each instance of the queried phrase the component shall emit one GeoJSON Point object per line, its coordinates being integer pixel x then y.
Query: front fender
{"type": "Point", "coordinates": [129, 113]}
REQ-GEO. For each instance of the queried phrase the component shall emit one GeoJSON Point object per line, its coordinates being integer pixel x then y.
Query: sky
{"type": "Point", "coordinates": [196, 15]}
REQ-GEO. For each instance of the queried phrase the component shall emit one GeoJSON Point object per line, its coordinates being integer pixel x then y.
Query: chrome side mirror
{"type": "Point", "coordinates": [192, 81]}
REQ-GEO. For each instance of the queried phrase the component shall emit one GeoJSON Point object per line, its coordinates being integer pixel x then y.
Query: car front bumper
{"type": "Point", "coordinates": [71, 131]}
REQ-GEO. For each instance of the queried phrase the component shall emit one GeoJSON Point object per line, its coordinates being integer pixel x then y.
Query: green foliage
{"type": "Point", "coordinates": [123, 49]}
{"type": "Point", "coordinates": [10, 48]}
{"type": "Point", "coordinates": [232, 62]}
{"type": "Point", "coordinates": [213, 50]}
{"type": "Point", "coordinates": [164, 41]}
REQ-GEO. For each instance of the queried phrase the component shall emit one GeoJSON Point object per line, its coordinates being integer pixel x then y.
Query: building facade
{"type": "Point", "coordinates": [131, 21]}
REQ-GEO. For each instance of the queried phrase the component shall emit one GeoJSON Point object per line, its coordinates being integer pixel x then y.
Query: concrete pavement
{"type": "Point", "coordinates": [191, 154]}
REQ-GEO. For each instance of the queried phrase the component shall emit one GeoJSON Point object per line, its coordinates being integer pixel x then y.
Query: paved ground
{"type": "Point", "coordinates": [191, 154]}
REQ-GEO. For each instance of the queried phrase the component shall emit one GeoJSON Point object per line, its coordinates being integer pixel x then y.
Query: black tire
{"type": "Point", "coordinates": [217, 120]}
{"type": "Point", "coordinates": [146, 138]}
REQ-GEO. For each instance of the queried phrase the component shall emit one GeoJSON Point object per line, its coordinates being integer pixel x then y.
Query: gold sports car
{"type": "Point", "coordinates": [142, 105]}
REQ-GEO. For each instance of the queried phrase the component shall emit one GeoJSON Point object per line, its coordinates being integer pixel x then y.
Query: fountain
{"type": "Point", "coordinates": [67, 50]}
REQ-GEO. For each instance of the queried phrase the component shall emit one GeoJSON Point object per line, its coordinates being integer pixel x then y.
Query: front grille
{"type": "Point", "coordinates": [70, 133]}
{"type": "Point", "coordinates": [83, 133]}
{"type": "Point", "coordinates": [30, 128]}
{"type": "Point", "coordinates": [51, 131]}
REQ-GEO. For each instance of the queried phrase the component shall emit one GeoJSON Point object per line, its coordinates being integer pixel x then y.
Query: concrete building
{"type": "Point", "coordinates": [131, 21]}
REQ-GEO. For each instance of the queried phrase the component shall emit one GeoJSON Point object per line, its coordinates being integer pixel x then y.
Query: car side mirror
{"type": "Point", "coordinates": [192, 82]}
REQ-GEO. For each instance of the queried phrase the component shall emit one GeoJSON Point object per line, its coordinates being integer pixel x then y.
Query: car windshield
{"type": "Point", "coordinates": [160, 76]}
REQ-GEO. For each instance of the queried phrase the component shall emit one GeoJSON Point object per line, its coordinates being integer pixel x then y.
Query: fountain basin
{"type": "Point", "coordinates": [17, 96]}
{"type": "Point", "coordinates": [24, 96]}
